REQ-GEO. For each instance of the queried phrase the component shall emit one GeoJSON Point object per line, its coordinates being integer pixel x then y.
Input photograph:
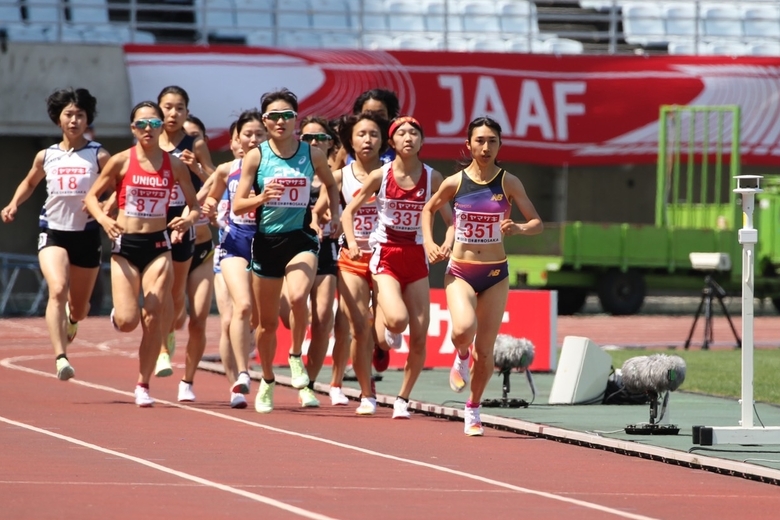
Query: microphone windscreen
{"type": "Point", "coordinates": [657, 373]}
{"type": "Point", "coordinates": [512, 353]}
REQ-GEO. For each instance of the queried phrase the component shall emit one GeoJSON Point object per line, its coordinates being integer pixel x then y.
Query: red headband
{"type": "Point", "coordinates": [400, 121]}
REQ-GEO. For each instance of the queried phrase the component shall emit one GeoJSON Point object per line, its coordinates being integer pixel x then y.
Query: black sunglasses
{"type": "Point", "coordinates": [320, 138]}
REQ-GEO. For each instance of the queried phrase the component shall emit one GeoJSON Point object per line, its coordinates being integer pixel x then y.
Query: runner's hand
{"type": "Point", "coordinates": [9, 213]}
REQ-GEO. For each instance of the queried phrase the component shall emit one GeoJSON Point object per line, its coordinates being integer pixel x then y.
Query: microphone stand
{"type": "Point", "coordinates": [505, 402]}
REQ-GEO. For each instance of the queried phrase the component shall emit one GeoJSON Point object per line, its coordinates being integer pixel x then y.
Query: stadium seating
{"type": "Point", "coordinates": [643, 24]}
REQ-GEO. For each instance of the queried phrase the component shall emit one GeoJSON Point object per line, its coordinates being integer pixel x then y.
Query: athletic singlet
{"type": "Point", "coordinates": [479, 209]}
{"type": "Point", "coordinates": [314, 195]}
{"type": "Point", "coordinates": [69, 176]}
{"type": "Point", "coordinates": [290, 212]}
{"type": "Point", "coordinates": [364, 221]}
{"type": "Point", "coordinates": [400, 211]}
{"type": "Point", "coordinates": [239, 223]}
{"type": "Point", "coordinates": [223, 215]}
{"type": "Point", "coordinates": [144, 194]}
{"type": "Point", "coordinates": [177, 196]}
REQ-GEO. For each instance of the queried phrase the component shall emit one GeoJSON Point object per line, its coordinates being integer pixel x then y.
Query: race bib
{"type": "Point", "coordinates": [365, 221]}
{"type": "Point", "coordinates": [70, 181]}
{"type": "Point", "coordinates": [177, 196]}
{"type": "Point", "coordinates": [247, 219]}
{"type": "Point", "coordinates": [478, 228]}
{"type": "Point", "coordinates": [405, 216]}
{"type": "Point", "coordinates": [146, 203]}
{"type": "Point", "coordinates": [296, 192]}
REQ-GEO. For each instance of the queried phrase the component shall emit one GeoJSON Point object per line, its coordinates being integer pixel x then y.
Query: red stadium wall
{"type": "Point", "coordinates": [554, 110]}
{"type": "Point", "coordinates": [528, 314]}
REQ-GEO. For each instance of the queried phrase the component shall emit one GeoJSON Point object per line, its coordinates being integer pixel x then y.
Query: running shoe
{"type": "Point", "coordinates": [73, 328]}
{"type": "Point", "coordinates": [401, 409]}
{"type": "Point", "coordinates": [393, 340]}
{"type": "Point", "coordinates": [299, 378]}
{"type": "Point", "coordinates": [113, 321]}
{"type": "Point", "coordinates": [307, 398]}
{"type": "Point", "coordinates": [337, 397]}
{"type": "Point", "coordinates": [237, 400]}
{"type": "Point", "coordinates": [241, 386]}
{"type": "Point", "coordinates": [142, 398]}
{"type": "Point", "coordinates": [163, 367]}
{"type": "Point", "coordinates": [264, 401]}
{"type": "Point", "coordinates": [472, 425]}
{"type": "Point", "coordinates": [459, 373]}
{"type": "Point", "coordinates": [170, 344]}
{"type": "Point", "coordinates": [185, 392]}
{"type": "Point", "coordinates": [367, 406]}
{"type": "Point", "coordinates": [380, 359]}
{"type": "Point", "coordinates": [64, 369]}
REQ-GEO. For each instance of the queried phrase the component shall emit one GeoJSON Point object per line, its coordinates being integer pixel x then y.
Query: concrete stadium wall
{"type": "Point", "coordinates": [29, 73]}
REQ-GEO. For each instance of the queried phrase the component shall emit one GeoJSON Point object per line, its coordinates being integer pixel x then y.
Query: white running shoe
{"type": "Point", "coordinates": [241, 386]}
{"type": "Point", "coordinates": [72, 327]}
{"type": "Point", "coordinates": [142, 398]}
{"type": "Point", "coordinates": [401, 409]}
{"type": "Point", "coordinates": [337, 397]}
{"type": "Point", "coordinates": [64, 369]}
{"type": "Point", "coordinates": [237, 400]}
{"type": "Point", "coordinates": [307, 398]}
{"type": "Point", "coordinates": [394, 340]}
{"type": "Point", "coordinates": [472, 425]}
{"type": "Point", "coordinates": [367, 406]}
{"type": "Point", "coordinates": [185, 392]}
{"type": "Point", "coordinates": [459, 373]}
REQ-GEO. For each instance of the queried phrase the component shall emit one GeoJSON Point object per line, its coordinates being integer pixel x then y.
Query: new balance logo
{"type": "Point", "coordinates": [497, 196]}
{"type": "Point", "coordinates": [494, 272]}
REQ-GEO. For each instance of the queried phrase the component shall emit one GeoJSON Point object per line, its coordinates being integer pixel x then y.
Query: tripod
{"type": "Point", "coordinates": [711, 288]}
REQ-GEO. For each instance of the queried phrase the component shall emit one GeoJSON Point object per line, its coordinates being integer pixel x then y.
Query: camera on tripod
{"type": "Point", "coordinates": [710, 262]}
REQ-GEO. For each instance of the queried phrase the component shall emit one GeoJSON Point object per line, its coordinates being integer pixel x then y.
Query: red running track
{"type": "Point", "coordinates": [82, 449]}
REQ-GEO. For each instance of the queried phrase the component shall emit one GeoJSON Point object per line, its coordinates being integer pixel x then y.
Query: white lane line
{"type": "Point", "coordinates": [186, 476]}
{"type": "Point", "coordinates": [9, 363]}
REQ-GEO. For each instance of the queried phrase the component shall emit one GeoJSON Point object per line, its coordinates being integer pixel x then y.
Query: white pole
{"type": "Point", "coordinates": [748, 248]}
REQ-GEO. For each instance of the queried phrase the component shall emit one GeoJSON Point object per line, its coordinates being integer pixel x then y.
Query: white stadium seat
{"type": "Point", "coordinates": [761, 21]}
{"type": "Point", "coordinates": [293, 14]}
{"type": "Point", "coordinates": [330, 14]}
{"type": "Point", "coordinates": [406, 16]}
{"type": "Point", "coordinates": [683, 47]}
{"type": "Point", "coordinates": [260, 39]}
{"type": "Point", "coordinates": [643, 24]}
{"type": "Point", "coordinates": [378, 41]}
{"type": "Point", "coordinates": [252, 15]}
{"type": "Point", "coordinates": [724, 48]}
{"type": "Point", "coordinates": [340, 40]}
{"type": "Point", "coordinates": [300, 39]}
{"type": "Point", "coordinates": [722, 21]}
{"type": "Point", "coordinates": [218, 15]}
{"type": "Point", "coordinates": [487, 43]}
{"type": "Point", "coordinates": [763, 48]}
{"type": "Point", "coordinates": [480, 17]}
{"type": "Point", "coordinates": [419, 43]}
{"type": "Point", "coordinates": [561, 46]}
{"type": "Point", "coordinates": [518, 17]}
{"type": "Point", "coordinates": [371, 15]}
{"type": "Point", "coordinates": [681, 21]}
{"type": "Point", "coordinates": [44, 12]}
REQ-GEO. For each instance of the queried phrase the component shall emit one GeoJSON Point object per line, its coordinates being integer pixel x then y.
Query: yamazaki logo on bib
{"type": "Point", "coordinates": [478, 228]}
{"type": "Point", "coordinates": [146, 203]}
{"type": "Point", "coordinates": [296, 192]}
{"type": "Point", "coordinates": [70, 180]}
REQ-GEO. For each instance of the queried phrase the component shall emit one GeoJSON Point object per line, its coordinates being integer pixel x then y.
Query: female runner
{"type": "Point", "coordinates": [69, 248]}
{"type": "Point", "coordinates": [317, 133]}
{"type": "Point", "coordinates": [144, 176]}
{"type": "Point", "coordinates": [398, 262]}
{"type": "Point", "coordinates": [195, 154]}
{"type": "Point", "coordinates": [285, 247]}
{"type": "Point", "coordinates": [477, 279]}
{"type": "Point", "coordinates": [235, 252]}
